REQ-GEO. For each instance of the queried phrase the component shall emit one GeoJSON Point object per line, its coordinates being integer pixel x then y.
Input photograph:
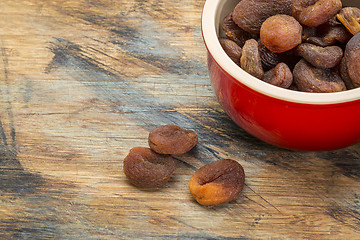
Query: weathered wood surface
{"type": "Point", "coordinates": [84, 81]}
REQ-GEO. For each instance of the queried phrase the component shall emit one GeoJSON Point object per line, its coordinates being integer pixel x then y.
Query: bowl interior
{"type": "Point", "coordinates": [213, 13]}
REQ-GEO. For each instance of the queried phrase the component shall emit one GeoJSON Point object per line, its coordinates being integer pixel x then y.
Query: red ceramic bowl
{"type": "Point", "coordinates": [285, 118]}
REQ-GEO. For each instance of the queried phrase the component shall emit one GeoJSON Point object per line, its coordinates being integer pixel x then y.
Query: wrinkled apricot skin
{"type": "Point", "coordinates": [218, 182]}
{"type": "Point", "coordinates": [250, 14]}
{"type": "Point", "coordinates": [311, 79]}
{"type": "Point", "coordinates": [234, 32]}
{"type": "Point", "coordinates": [352, 58]}
{"type": "Point", "coordinates": [300, 5]}
{"type": "Point", "coordinates": [280, 76]}
{"type": "Point", "coordinates": [268, 59]}
{"type": "Point", "coordinates": [250, 60]}
{"type": "Point", "coordinates": [319, 13]}
{"type": "Point", "coordinates": [280, 33]}
{"type": "Point", "coordinates": [326, 34]}
{"type": "Point", "coordinates": [172, 139]}
{"type": "Point", "coordinates": [145, 168]}
{"type": "Point", "coordinates": [343, 71]}
{"type": "Point", "coordinates": [320, 57]}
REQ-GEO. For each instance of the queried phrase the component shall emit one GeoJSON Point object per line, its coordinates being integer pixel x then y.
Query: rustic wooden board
{"type": "Point", "coordinates": [84, 81]}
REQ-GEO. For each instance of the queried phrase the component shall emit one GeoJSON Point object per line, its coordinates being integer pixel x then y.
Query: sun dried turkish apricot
{"type": "Point", "coordinates": [350, 18]}
{"type": "Point", "coordinates": [234, 32]}
{"type": "Point", "coordinates": [287, 31]}
{"type": "Point", "coordinates": [352, 58]}
{"type": "Point", "coordinates": [217, 182]}
{"type": "Point", "coordinates": [319, 12]}
{"type": "Point", "coordinates": [320, 57]}
{"type": "Point", "coordinates": [232, 49]}
{"type": "Point", "coordinates": [250, 60]}
{"type": "Point", "coordinates": [250, 14]}
{"type": "Point", "coordinates": [147, 169]}
{"type": "Point", "coordinates": [280, 33]}
{"type": "Point", "coordinates": [343, 71]}
{"type": "Point", "coordinates": [280, 76]}
{"type": "Point", "coordinates": [300, 5]}
{"type": "Point", "coordinates": [329, 35]}
{"type": "Point", "coordinates": [326, 34]}
{"type": "Point", "coordinates": [172, 139]}
{"type": "Point", "coordinates": [336, 34]}
{"type": "Point", "coordinates": [268, 58]}
{"type": "Point", "coordinates": [311, 79]}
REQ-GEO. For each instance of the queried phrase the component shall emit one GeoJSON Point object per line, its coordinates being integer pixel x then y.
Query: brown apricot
{"type": "Point", "coordinates": [352, 58]}
{"type": "Point", "coordinates": [336, 34]}
{"type": "Point", "coordinates": [250, 14]}
{"type": "Point", "coordinates": [268, 58]}
{"type": "Point", "coordinates": [232, 49]}
{"type": "Point", "coordinates": [172, 139]}
{"type": "Point", "coordinates": [234, 32]}
{"type": "Point", "coordinates": [280, 33]}
{"type": "Point", "coordinates": [311, 79]}
{"type": "Point", "coordinates": [280, 76]}
{"type": "Point", "coordinates": [326, 34]}
{"type": "Point", "coordinates": [320, 57]}
{"type": "Point", "coordinates": [319, 12]}
{"type": "Point", "coordinates": [343, 71]}
{"type": "Point", "coordinates": [217, 182]}
{"type": "Point", "coordinates": [250, 60]}
{"type": "Point", "coordinates": [147, 169]}
{"type": "Point", "coordinates": [300, 5]}
{"type": "Point", "coordinates": [350, 18]}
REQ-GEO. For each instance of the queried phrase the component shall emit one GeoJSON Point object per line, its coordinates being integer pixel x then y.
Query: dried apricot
{"type": "Point", "coordinates": [336, 34]}
{"type": "Point", "coordinates": [250, 60]}
{"type": "Point", "coordinates": [217, 182]}
{"type": "Point", "coordinates": [268, 58]}
{"type": "Point", "coordinates": [350, 18]}
{"type": "Point", "coordinates": [343, 71]}
{"type": "Point", "coordinates": [352, 57]}
{"type": "Point", "coordinates": [234, 32]}
{"type": "Point", "coordinates": [250, 14]}
{"type": "Point", "coordinates": [172, 139]}
{"type": "Point", "coordinates": [280, 33]}
{"type": "Point", "coordinates": [280, 76]}
{"type": "Point", "coordinates": [326, 34]}
{"type": "Point", "coordinates": [319, 12]}
{"type": "Point", "coordinates": [311, 79]}
{"type": "Point", "coordinates": [300, 5]}
{"type": "Point", "coordinates": [147, 169]}
{"type": "Point", "coordinates": [320, 57]}
{"type": "Point", "coordinates": [232, 49]}
{"type": "Point", "coordinates": [310, 37]}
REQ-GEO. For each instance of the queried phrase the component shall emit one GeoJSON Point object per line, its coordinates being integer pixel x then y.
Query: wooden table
{"type": "Point", "coordinates": [84, 81]}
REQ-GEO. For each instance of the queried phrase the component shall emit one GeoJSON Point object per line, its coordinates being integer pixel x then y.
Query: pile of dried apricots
{"type": "Point", "coordinates": [303, 45]}
{"type": "Point", "coordinates": [213, 184]}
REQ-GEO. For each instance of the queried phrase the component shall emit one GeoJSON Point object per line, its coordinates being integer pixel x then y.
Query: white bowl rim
{"type": "Point", "coordinates": [208, 27]}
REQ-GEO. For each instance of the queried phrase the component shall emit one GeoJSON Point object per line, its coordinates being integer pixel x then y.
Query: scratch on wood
{"type": "Point", "coordinates": [254, 201]}
{"type": "Point", "coordinates": [263, 198]}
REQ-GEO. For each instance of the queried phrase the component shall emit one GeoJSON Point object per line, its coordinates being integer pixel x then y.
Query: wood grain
{"type": "Point", "coordinates": [84, 81]}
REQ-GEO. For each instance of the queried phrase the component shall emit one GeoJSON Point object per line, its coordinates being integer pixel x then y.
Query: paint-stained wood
{"type": "Point", "coordinates": [84, 81]}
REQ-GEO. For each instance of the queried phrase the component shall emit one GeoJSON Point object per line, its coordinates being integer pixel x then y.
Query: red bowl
{"type": "Point", "coordinates": [285, 118]}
